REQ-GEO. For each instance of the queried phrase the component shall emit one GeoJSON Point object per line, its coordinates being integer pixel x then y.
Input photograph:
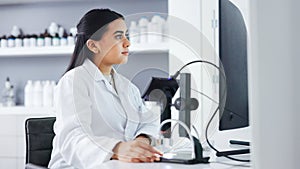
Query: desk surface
{"type": "Point", "coordinates": [221, 142]}
{"type": "Point", "coordinates": [115, 164]}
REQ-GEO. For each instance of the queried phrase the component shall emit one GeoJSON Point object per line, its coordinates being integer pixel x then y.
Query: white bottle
{"type": "Point", "coordinates": [19, 42]}
{"type": "Point", "coordinates": [6, 91]}
{"type": "Point", "coordinates": [11, 97]}
{"type": "Point", "coordinates": [155, 29]}
{"type": "Point", "coordinates": [64, 39]}
{"type": "Point", "coordinates": [33, 39]}
{"type": "Point", "coordinates": [38, 94]}
{"type": "Point", "coordinates": [28, 94]}
{"type": "Point", "coordinates": [53, 84]}
{"type": "Point", "coordinates": [3, 42]}
{"type": "Point", "coordinates": [26, 41]}
{"type": "Point", "coordinates": [56, 40]}
{"type": "Point", "coordinates": [11, 41]}
{"type": "Point", "coordinates": [71, 40]}
{"type": "Point", "coordinates": [73, 31]}
{"type": "Point", "coordinates": [143, 27]}
{"type": "Point", "coordinates": [61, 32]}
{"type": "Point", "coordinates": [134, 33]}
{"type": "Point", "coordinates": [48, 41]}
{"type": "Point", "coordinates": [40, 41]}
{"type": "Point", "coordinates": [165, 30]}
{"type": "Point", "coordinates": [47, 94]}
{"type": "Point", "coordinates": [53, 29]}
{"type": "Point", "coordinates": [15, 31]}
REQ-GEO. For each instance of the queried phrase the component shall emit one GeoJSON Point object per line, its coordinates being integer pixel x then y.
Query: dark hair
{"type": "Point", "coordinates": [91, 26]}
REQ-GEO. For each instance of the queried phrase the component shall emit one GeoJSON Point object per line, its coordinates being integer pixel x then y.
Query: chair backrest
{"type": "Point", "coordinates": [39, 136]}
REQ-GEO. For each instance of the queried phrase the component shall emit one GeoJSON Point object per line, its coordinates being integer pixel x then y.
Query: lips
{"type": "Point", "coordinates": [125, 53]}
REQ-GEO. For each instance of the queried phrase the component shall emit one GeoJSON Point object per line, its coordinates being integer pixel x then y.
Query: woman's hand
{"type": "Point", "coordinates": [135, 151]}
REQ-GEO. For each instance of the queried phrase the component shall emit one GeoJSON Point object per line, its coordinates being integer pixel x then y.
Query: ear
{"type": "Point", "coordinates": [91, 44]}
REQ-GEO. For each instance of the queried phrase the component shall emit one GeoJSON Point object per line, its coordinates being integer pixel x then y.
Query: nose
{"type": "Point", "coordinates": [126, 43]}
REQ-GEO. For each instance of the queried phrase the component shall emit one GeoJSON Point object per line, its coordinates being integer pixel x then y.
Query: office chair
{"type": "Point", "coordinates": [39, 135]}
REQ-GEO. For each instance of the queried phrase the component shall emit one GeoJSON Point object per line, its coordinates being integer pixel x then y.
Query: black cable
{"type": "Point", "coordinates": [211, 146]}
{"type": "Point", "coordinates": [195, 61]}
{"type": "Point", "coordinates": [210, 120]}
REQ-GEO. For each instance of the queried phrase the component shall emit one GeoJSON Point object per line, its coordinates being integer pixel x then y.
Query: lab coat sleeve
{"type": "Point", "coordinates": [76, 142]}
{"type": "Point", "coordinates": [149, 120]}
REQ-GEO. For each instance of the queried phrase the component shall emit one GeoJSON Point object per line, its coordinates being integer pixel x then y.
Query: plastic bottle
{"type": "Point", "coordinates": [38, 94]}
{"type": "Point", "coordinates": [55, 40]}
{"type": "Point", "coordinates": [143, 27]}
{"type": "Point", "coordinates": [71, 40]}
{"type": "Point", "coordinates": [16, 31]}
{"type": "Point", "coordinates": [5, 91]}
{"type": "Point", "coordinates": [8, 96]}
{"type": "Point", "coordinates": [48, 94]}
{"type": "Point", "coordinates": [40, 41]}
{"type": "Point", "coordinates": [165, 30]}
{"type": "Point", "coordinates": [11, 41]}
{"type": "Point", "coordinates": [28, 94]}
{"type": "Point", "coordinates": [26, 41]}
{"type": "Point", "coordinates": [155, 29]}
{"type": "Point", "coordinates": [64, 39]}
{"type": "Point", "coordinates": [11, 97]}
{"type": "Point", "coordinates": [19, 41]}
{"type": "Point", "coordinates": [134, 32]}
{"type": "Point", "coordinates": [73, 31]}
{"type": "Point", "coordinates": [3, 42]}
{"type": "Point", "coordinates": [48, 38]}
{"type": "Point", "coordinates": [53, 29]}
{"type": "Point", "coordinates": [33, 39]}
{"type": "Point", "coordinates": [53, 85]}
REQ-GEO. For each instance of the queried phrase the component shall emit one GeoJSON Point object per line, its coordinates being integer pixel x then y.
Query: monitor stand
{"type": "Point", "coordinates": [235, 152]}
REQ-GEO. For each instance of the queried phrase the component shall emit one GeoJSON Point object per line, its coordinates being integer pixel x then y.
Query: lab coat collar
{"type": "Point", "coordinates": [93, 70]}
{"type": "Point", "coordinates": [98, 76]}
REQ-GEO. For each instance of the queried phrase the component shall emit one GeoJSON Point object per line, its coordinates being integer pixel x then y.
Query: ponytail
{"type": "Point", "coordinates": [81, 52]}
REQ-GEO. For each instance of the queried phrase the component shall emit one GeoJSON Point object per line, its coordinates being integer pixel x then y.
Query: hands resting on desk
{"type": "Point", "coordinates": [137, 150]}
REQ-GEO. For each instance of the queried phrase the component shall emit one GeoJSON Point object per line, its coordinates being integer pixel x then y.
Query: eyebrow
{"type": "Point", "coordinates": [120, 32]}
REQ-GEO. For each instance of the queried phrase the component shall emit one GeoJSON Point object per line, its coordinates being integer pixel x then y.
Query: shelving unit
{"type": "Point", "coordinates": [22, 110]}
{"type": "Point", "coordinates": [36, 51]}
{"type": "Point", "coordinates": [67, 50]}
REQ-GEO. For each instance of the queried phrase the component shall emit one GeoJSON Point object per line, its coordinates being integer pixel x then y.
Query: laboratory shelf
{"type": "Point", "coordinates": [36, 51]}
{"type": "Point", "coordinates": [68, 50]}
{"type": "Point", "coordinates": [22, 110]}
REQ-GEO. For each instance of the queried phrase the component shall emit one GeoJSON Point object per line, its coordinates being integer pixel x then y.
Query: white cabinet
{"type": "Point", "coordinates": [12, 134]}
{"type": "Point", "coordinates": [194, 26]}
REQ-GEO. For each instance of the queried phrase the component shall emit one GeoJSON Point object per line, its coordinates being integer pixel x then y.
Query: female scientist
{"type": "Point", "coordinates": [99, 113]}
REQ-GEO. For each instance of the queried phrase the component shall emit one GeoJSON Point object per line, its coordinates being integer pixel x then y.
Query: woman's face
{"type": "Point", "coordinates": [113, 45]}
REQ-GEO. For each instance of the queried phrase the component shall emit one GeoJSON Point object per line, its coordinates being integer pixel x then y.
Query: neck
{"type": "Point", "coordinates": [106, 70]}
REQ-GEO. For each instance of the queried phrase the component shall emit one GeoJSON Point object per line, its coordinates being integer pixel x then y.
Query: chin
{"type": "Point", "coordinates": [124, 60]}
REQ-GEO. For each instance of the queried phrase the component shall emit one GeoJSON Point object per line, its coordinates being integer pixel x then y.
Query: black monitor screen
{"type": "Point", "coordinates": [233, 56]}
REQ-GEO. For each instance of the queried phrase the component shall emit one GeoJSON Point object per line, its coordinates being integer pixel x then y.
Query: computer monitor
{"type": "Point", "coordinates": [233, 56]}
{"type": "Point", "coordinates": [162, 90]}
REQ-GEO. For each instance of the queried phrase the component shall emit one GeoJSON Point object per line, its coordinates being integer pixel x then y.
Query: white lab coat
{"type": "Point", "coordinates": [91, 117]}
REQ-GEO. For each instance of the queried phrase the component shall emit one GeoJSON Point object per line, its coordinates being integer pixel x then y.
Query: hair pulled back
{"type": "Point", "coordinates": [91, 26]}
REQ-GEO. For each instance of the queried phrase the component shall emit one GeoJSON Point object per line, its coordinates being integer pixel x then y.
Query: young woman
{"type": "Point", "coordinates": [99, 113]}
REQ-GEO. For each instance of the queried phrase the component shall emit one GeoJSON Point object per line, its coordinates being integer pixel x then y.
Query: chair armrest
{"type": "Point", "coordinates": [33, 166]}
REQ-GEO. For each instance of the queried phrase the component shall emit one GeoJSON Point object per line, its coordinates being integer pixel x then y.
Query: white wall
{"type": "Point", "coordinates": [274, 81]}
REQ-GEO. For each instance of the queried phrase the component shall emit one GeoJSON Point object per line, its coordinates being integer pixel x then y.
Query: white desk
{"type": "Point", "coordinates": [220, 140]}
{"type": "Point", "coordinates": [115, 164]}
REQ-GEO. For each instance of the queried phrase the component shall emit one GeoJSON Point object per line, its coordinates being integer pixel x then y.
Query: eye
{"type": "Point", "coordinates": [119, 37]}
